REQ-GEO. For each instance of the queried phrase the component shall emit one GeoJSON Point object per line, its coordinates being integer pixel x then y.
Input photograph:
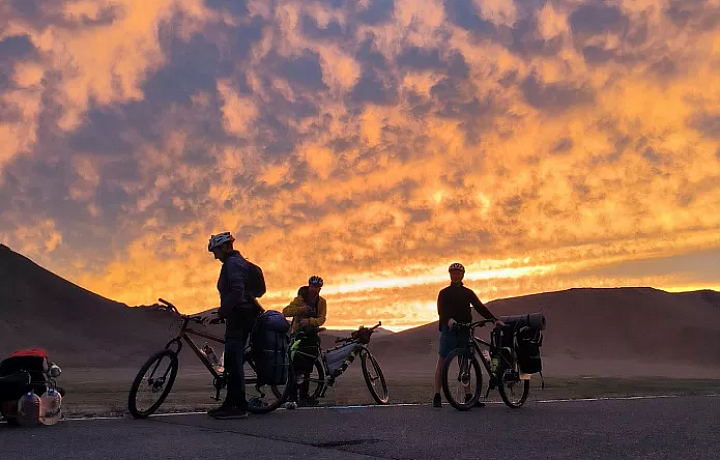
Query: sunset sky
{"type": "Point", "coordinates": [543, 144]}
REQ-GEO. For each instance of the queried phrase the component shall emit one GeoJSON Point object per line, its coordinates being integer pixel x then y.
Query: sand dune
{"type": "Point", "coordinates": [638, 331]}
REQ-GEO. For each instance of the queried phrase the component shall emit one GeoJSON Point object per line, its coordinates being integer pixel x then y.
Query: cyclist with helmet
{"type": "Point", "coordinates": [239, 309]}
{"type": "Point", "coordinates": [453, 305]}
{"type": "Point", "coordinates": [309, 312]}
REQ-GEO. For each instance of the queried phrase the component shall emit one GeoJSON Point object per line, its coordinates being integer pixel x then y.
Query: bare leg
{"type": "Point", "coordinates": [438, 372]}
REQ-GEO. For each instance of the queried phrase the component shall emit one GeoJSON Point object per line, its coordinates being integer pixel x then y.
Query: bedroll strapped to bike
{"type": "Point", "coordinates": [270, 345]}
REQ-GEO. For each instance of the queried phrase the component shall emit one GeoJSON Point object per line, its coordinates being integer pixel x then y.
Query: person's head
{"type": "Point", "coordinates": [221, 245]}
{"type": "Point", "coordinates": [457, 272]}
{"type": "Point", "coordinates": [315, 283]}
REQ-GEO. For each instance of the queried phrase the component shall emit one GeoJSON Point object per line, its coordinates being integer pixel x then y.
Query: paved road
{"type": "Point", "coordinates": [673, 428]}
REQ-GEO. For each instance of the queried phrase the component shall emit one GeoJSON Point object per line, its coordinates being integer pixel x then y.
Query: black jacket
{"type": "Point", "coordinates": [454, 302]}
{"type": "Point", "coordinates": [237, 307]}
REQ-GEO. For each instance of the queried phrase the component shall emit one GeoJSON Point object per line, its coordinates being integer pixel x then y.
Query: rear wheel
{"type": "Point", "coordinates": [374, 378]}
{"type": "Point", "coordinates": [153, 383]}
{"type": "Point", "coordinates": [513, 391]}
{"type": "Point", "coordinates": [461, 379]}
{"type": "Point", "coordinates": [261, 397]}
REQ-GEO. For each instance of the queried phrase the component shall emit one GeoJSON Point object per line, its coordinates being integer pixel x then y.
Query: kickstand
{"type": "Point", "coordinates": [217, 394]}
{"type": "Point", "coordinates": [487, 393]}
{"type": "Point", "coordinates": [542, 379]}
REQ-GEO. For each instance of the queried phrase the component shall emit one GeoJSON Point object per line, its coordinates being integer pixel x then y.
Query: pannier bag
{"type": "Point", "coordinates": [270, 345]}
{"type": "Point", "coordinates": [523, 333]}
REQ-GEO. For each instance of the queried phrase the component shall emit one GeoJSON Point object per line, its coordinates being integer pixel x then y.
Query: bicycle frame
{"type": "Point", "coordinates": [475, 343]}
{"type": "Point", "coordinates": [329, 379]}
{"type": "Point", "coordinates": [184, 335]}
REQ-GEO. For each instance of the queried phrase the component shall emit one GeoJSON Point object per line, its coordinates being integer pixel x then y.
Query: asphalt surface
{"type": "Point", "coordinates": [665, 428]}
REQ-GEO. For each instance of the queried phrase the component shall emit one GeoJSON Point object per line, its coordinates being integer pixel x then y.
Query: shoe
{"type": "Point", "coordinates": [226, 406]}
{"type": "Point", "coordinates": [437, 402]}
{"type": "Point", "coordinates": [230, 414]}
{"type": "Point", "coordinates": [291, 405]}
{"type": "Point", "coordinates": [478, 403]}
{"type": "Point", "coordinates": [307, 402]}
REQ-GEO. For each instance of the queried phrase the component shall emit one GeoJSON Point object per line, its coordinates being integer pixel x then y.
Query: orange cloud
{"type": "Point", "coordinates": [544, 146]}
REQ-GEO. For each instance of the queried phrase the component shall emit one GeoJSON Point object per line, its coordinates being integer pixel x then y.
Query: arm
{"type": "Point", "coordinates": [295, 307]}
{"type": "Point", "coordinates": [441, 309]}
{"type": "Point", "coordinates": [322, 313]}
{"type": "Point", "coordinates": [236, 281]}
{"type": "Point", "coordinates": [479, 307]}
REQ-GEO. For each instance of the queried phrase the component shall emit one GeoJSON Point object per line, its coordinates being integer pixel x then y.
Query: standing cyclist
{"type": "Point", "coordinates": [309, 311]}
{"type": "Point", "coordinates": [239, 309]}
{"type": "Point", "coordinates": [453, 305]}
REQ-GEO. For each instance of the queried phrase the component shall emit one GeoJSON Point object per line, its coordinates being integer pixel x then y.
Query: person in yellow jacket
{"type": "Point", "coordinates": [309, 311]}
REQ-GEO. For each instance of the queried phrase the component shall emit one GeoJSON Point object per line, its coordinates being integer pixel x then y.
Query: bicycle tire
{"type": "Point", "coordinates": [132, 397]}
{"type": "Point", "coordinates": [320, 379]}
{"type": "Point", "coordinates": [282, 399]}
{"type": "Point", "coordinates": [380, 399]}
{"type": "Point", "coordinates": [449, 359]}
{"type": "Point", "coordinates": [501, 388]}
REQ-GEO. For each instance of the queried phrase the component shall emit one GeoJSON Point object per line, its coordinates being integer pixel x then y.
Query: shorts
{"type": "Point", "coordinates": [451, 339]}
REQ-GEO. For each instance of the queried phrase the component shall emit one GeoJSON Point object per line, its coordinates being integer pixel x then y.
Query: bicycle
{"type": "Point", "coordinates": [325, 371]}
{"type": "Point", "coordinates": [159, 383]}
{"type": "Point", "coordinates": [505, 374]}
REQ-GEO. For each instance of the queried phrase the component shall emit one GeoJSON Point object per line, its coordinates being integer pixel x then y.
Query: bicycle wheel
{"type": "Point", "coordinates": [513, 391]}
{"type": "Point", "coordinates": [461, 379]}
{"type": "Point", "coordinates": [374, 378]}
{"type": "Point", "coordinates": [153, 383]}
{"type": "Point", "coordinates": [262, 397]}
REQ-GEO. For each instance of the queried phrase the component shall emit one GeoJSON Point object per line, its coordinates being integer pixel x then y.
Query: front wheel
{"type": "Point", "coordinates": [461, 379]}
{"type": "Point", "coordinates": [513, 390]}
{"type": "Point", "coordinates": [153, 383]}
{"type": "Point", "coordinates": [374, 378]}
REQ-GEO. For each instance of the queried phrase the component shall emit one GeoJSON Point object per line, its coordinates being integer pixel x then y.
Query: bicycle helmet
{"type": "Point", "coordinates": [456, 266]}
{"type": "Point", "coordinates": [219, 239]}
{"type": "Point", "coordinates": [315, 281]}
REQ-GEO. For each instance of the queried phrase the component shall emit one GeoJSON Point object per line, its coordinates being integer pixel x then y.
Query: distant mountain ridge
{"type": "Point", "coordinates": [81, 328]}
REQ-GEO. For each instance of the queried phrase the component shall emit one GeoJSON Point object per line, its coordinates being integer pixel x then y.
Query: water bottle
{"type": "Point", "coordinates": [50, 407]}
{"type": "Point", "coordinates": [29, 409]}
{"type": "Point", "coordinates": [486, 355]}
{"type": "Point", "coordinates": [212, 357]}
{"type": "Point", "coordinates": [494, 363]}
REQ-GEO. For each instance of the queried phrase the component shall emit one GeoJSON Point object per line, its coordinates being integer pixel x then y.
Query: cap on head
{"type": "Point", "coordinates": [218, 240]}
{"type": "Point", "coordinates": [456, 266]}
{"type": "Point", "coordinates": [315, 281]}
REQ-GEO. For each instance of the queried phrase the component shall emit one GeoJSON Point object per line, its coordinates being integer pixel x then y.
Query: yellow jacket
{"type": "Point", "coordinates": [294, 310]}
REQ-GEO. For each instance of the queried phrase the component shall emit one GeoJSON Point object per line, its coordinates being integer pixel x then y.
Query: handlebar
{"type": "Point", "coordinates": [474, 324]}
{"type": "Point", "coordinates": [195, 318]}
{"type": "Point", "coordinates": [354, 335]}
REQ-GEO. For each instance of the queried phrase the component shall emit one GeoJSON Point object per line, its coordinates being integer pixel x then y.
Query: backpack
{"type": "Point", "coordinates": [20, 372]}
{"type": "Point", "coordinates": [35, 361]}
{"type": "Point", "coordinates": [255, 280]}
{"type": "Point", "coordinates": [269, 348]}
